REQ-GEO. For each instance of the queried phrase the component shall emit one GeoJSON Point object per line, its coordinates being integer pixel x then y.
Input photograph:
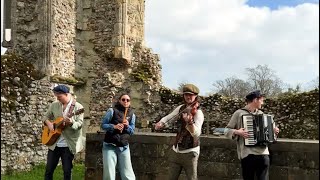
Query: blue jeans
{"type": "Point", "coordinates": [113, 156]}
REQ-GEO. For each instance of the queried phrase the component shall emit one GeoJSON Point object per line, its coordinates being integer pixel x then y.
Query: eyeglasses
{"type": "Point", "coordinates": [124, 100]}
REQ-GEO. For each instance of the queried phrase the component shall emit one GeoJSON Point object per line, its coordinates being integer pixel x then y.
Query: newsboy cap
{"type": "Point", "coordinates": [190, 89]}
{"type": "Point", "coordinates": [254, 94]}
{"type": "Point", "coordinates": [61, 89]}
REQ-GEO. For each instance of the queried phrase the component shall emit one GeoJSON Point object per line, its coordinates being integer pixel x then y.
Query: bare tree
{"type": "Point", "coordinates": [232, 87]}
{"type": "Point", "coordinates": [315, 83]}
{"type": "Point", "coordinates": [264, 78]}
{"type": "Point", "coordinates": [181, 84]}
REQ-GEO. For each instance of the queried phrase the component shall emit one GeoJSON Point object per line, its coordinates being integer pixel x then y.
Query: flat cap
{"type": "Point", "coordinates": [254, 94]}
{"type": "Point", "coordinates": [61, 89]}
{"type": "Point", "coordinates": [190, 89]}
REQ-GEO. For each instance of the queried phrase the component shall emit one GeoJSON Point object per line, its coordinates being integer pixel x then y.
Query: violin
{"type": "Point", "coordinates": [192, 109]}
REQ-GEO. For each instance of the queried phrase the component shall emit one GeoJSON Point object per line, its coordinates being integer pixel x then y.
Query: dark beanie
{"type": "Point", "coordinates": [61, 89]}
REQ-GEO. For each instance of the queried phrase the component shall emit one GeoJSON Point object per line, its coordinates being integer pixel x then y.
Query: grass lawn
{"type": "Point", "coordinates": [37, 173]}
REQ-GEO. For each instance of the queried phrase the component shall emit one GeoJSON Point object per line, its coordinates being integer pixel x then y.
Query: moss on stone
{"type": "Point", "coordinates": [66, 80]}
{"type": "Point", "coordinates": [142, 73]}
{"type": "Point", "coordinates": [16, 73]}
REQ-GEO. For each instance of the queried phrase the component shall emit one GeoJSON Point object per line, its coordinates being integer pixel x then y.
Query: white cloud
{"type": "Point", "coordinates": [214, 39]}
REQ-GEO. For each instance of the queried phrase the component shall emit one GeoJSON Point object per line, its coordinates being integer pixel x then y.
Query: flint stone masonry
{"type": "Point", "coordinates": [21, 127]}
{"type": "Point", "coordinates": [63, 29]}
{"type": "Point", "coordinates": [296, 115]}
{"type": "Point", "coordinates": [290, 159]}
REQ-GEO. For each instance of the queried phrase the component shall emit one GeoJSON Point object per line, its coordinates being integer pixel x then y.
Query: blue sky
{"type": "Point", "coordinates": [202, 41]}
{"type": "Point", "coordinates": [275, 4]}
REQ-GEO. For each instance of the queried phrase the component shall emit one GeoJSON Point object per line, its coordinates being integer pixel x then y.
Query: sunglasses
{"type": "Point", "coordinates": [124, 100]}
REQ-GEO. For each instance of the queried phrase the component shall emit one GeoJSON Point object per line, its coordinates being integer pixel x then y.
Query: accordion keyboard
{"type": "Point", "coordinates": [260, 129]}
{"type": "Point", "coordinates": [249, 126]}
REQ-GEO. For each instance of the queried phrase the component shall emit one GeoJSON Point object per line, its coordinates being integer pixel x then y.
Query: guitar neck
{"type": "Point", "coordinates": [70, 116]}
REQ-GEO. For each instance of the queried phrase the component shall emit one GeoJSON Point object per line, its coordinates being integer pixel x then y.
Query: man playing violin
{"type": "Point", "coordinates": [70, 141]}
{"type": "Point", "coordinates": [186, 148]}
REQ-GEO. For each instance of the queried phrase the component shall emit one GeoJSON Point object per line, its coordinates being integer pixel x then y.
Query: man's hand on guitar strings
{"type": "Point", "coordinates": [67, 121]}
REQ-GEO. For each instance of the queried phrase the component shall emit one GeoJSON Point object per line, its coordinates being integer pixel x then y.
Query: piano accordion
{"type": "Point", "coordinates": [260, 128]}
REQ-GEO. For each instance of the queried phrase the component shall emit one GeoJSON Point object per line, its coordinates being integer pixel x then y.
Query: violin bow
{"type": "Point", "coordinates": [180, 112]}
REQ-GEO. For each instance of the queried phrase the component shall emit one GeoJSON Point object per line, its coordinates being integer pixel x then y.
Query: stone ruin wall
{"type": "Point", "coordinates": [28, 37]}
{"type": "Point", "coordinates": [44, 33]}
{"type": "Point", "coordinates": [63, 36]}
{"type": "Point", "coordinates": [24, 100]}
{"type": "Point", "coordinates": [111, 56]}
{"type": "Point", "coordinates": [297, 115]}
{"type": "Point", "coordinates": [104, 67]}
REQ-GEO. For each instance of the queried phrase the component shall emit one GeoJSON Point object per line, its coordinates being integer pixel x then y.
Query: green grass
{"type": "Point", "coordinates": [37, 173]}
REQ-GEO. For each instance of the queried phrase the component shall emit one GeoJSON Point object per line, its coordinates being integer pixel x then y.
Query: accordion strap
{"type": "Point", "coordinates": [246, 110]}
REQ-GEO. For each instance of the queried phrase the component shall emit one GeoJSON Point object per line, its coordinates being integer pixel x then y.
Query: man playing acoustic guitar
{"type": "Point", "coordinates": [69, 140]}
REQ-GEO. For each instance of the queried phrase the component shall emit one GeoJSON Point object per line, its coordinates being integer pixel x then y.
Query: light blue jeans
{"type": "Point", "coordinates": [113, 156]}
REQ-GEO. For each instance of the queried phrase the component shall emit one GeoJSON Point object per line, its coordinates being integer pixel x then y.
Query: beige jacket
{"type": "Point", "coordinates": [72, 134]}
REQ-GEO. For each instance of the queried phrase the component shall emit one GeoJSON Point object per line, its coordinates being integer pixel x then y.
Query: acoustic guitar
{"type": "Point", "coordinates": [50, 137]}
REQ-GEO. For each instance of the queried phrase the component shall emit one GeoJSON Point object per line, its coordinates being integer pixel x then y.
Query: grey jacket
{"type": "Point", "coordinates": [236, 123]}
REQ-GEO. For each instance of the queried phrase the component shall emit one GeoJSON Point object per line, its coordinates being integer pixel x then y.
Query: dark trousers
{"type": "Point", "coordinates": [255, 165]}
{"type": "Point", "coordinates": [53, 159]}
{"type": "Point", "coordinates": [186, 161]}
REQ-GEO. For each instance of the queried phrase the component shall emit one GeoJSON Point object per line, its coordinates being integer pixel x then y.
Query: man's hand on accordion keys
{"type": "Point", "coordinates": [242, 132]}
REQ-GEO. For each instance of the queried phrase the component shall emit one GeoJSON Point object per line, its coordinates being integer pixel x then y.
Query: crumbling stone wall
{"type": "Point", "coordinates": [63, 35]}
{"type": "Point", "coordinates": [28, 37]}
{"type": "Point", "coordinates": [297, 115]}
{"type": "Point", "coordinates": [24, 100]}
{"type": "Point", "coordinates": [105, 29]}
{"type": "Point", "coordinates": [44, 32]}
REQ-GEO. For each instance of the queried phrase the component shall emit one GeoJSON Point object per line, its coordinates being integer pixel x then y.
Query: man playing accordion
{"type": "Point", "coordinates": [254, 159]}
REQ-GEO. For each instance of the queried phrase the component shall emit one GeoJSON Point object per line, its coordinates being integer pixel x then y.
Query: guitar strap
{"type": "Point", "coordinates": [71, 107]}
